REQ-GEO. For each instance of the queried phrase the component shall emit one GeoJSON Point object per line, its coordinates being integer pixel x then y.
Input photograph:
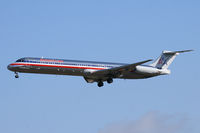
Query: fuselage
{"type": "Point", "coordinates": [71, 67]}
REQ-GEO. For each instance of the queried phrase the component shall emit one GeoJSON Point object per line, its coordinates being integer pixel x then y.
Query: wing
{"type": "Point", "coordinates": [118, 70]}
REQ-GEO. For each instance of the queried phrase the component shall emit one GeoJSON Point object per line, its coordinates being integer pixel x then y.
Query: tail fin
{"type": "Point", "coordinates": [166, 59]}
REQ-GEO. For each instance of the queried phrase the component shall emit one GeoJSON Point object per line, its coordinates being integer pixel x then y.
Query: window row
{"type": "Point", "coordinates": [61, 63]}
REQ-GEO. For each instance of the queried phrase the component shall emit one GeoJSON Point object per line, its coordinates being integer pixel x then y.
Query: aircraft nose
{"type": "Point", "coordinates": [9, 67]}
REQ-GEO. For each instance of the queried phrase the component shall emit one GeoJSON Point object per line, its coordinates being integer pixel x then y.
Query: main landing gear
{"type": "Point", "coordinates": [16, 75]}
{"type": "Point", "coordinates": [109, 81]}
{"type": "Point", "coordinates": [100, 83]}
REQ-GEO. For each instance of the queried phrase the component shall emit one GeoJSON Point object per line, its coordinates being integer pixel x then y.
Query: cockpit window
{"type": "Point", "coordinates": [20, 60]}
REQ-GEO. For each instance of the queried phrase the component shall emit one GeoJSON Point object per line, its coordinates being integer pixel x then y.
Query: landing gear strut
{"type": "Point", "coordinates": [16, 75]}
{"type": "Point", "coordinates": [100, 84]}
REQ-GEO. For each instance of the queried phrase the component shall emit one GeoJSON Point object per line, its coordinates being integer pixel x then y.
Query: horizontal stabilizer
{"type": "Point", "coordinates": [174, 52]}
{"type": "Point", "coordinates": [167, 58]}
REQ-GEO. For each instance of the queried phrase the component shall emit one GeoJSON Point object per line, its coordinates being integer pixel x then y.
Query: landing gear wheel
{"type": "Point", "coordinates": [110, 80]}
{"type": "Point", "coordinates": [16, 75]}
{"type": "Point", "coordinates": [100, 84]}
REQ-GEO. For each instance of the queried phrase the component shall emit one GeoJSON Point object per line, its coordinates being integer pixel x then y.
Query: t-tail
{"type": "Point", "coordinates": [166, 58]}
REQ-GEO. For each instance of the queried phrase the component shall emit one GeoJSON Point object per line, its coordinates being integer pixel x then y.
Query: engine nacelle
{"type": "Point", "coordinates": [151, 70]}
{"type": "Point", "coordinates": [147, 70]}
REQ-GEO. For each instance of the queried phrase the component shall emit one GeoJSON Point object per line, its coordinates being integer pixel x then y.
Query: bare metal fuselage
{"type": "Point", "coordinates": [70, 67]}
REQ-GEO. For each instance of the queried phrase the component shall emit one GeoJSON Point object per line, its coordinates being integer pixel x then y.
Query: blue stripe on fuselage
{"type": "Point", "coordinates": [71, 62]}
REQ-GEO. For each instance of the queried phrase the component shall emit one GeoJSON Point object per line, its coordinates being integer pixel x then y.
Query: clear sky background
{"type": "Point", "coordinates": [125, 31]}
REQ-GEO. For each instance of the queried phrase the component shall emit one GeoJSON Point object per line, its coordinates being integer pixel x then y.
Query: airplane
{"type": "Point", "coordinates": [93, 71]}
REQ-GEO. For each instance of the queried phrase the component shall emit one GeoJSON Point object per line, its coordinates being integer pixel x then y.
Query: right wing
{"type": "Point", "coordinates": [118, 70]}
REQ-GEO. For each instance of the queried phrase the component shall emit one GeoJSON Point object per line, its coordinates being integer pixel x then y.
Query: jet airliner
{"type": "Point", "coordinates": [95, 71]}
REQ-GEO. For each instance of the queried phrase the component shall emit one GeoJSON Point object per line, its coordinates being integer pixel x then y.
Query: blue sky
{"type": "Point", "coordinates": [112, 31]}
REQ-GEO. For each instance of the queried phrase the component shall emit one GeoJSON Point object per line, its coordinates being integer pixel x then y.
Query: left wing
{"type": "Point", "coordinates": [118, 70]}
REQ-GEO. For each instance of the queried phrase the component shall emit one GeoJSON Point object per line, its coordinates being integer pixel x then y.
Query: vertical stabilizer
{"type": "Point", "coordinates": [166, 59]}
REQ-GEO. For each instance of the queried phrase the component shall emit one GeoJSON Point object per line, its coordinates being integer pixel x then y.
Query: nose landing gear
{"type": "Point", "coordinates": [16, 75]}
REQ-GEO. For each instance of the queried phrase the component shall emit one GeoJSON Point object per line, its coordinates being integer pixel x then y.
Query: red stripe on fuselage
{"type": "Point", "coordinates": [59, 66]}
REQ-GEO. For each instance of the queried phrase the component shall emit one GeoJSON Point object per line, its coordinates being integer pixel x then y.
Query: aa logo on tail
{"type": "Point", "coordinates": [163, 60]}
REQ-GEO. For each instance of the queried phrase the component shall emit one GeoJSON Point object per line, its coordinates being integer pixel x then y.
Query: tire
{"type": "Point", "coordinates": [100, 84]}
{"type": "Point", "coordinates": [110, 80]}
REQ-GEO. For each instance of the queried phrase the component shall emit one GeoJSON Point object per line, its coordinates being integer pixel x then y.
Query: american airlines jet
{"type": "Point", "coordinates": [96, 71]}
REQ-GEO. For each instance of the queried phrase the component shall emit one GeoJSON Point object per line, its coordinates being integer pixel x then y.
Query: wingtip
{"type": "Point", "coordinates": [190, 50]}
